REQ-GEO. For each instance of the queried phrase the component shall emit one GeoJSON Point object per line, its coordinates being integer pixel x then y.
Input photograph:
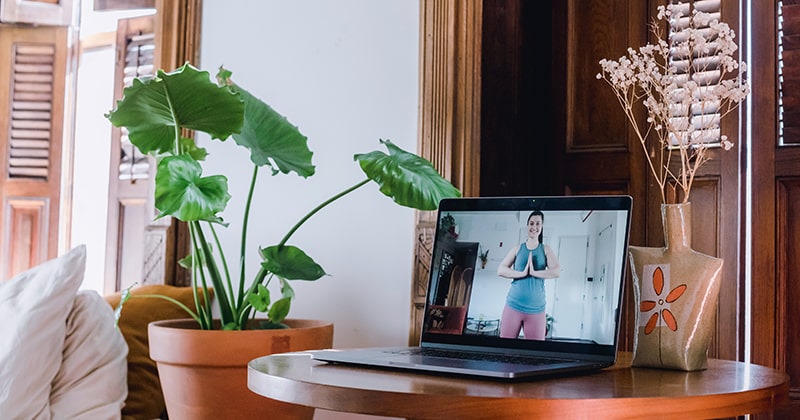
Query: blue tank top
{"type": "Point", "coordinates": [527, 294]}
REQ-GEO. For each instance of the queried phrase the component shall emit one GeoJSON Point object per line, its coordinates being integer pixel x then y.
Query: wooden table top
{"type": "Point", "coordinates": [725, 389]}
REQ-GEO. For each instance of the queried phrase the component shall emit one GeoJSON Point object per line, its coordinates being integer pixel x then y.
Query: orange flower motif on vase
{"type": "Point", "coordinates": [654, 306]}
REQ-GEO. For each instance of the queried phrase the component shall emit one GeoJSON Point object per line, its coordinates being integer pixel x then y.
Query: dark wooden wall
{"type": "Point", "coordinates": [549, 126]}
{"type": "Point", "coordinates": [518, 100]}
{"type": "Point", "coordinates": [546, 125]}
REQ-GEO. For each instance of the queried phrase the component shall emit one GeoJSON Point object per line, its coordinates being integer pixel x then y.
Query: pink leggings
{"type": "Point", "coordinates": [511, 322]}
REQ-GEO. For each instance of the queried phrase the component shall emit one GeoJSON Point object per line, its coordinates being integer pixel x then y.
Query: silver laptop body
{"type": "Point", "coordinates": [463, 319]}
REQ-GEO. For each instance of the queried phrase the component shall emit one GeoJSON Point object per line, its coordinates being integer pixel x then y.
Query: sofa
{"type": "Point", "coordinates": [62, 356]}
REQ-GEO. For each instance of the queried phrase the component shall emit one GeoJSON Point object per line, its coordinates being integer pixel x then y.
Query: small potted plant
{"type": "Point", "coordinates": [483, 255]}
{"type": "Point", "coordinates": [155, 111]}
{"type": "Point", "coordinates": [447, 226]}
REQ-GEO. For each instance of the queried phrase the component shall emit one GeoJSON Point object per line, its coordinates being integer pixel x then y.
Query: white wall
{"type": "Point", "coordinates": [91, 157]}
{"type": "Point", "coordinates": [346, 73]}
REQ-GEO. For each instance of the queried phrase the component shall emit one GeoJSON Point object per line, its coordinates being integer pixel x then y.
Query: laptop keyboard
{"type": "Point", "coordinates": [491, 357]}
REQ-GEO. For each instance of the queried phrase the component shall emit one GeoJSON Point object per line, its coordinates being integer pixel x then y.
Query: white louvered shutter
{"type": "Point", "coordinates": [32, 88]}
{"type": "Point", "coordinates": [136, 241]}
{"type": "Point", "coordinates": [789, 72]}
{"type": "Point", "coordinates": [705, 115]}
{"type": "Point", "coordinates": [31, 111]}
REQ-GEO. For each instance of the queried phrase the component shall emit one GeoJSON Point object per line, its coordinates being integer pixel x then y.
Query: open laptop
{"type": "Point", "coordinates": [463, 314]}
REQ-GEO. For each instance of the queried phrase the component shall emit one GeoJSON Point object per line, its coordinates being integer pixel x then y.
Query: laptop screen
{"type": "Point", "coordinates": [539, 273]}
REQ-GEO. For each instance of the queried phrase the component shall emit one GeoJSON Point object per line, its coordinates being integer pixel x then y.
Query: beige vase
{"type": "Point", "coordinates": [676, 291]}
{"type": "Point", "coordinates": [203, 373]}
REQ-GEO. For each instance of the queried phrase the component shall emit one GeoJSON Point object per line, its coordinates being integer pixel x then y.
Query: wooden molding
{"type": "Point", "coordinates": [449, 120]}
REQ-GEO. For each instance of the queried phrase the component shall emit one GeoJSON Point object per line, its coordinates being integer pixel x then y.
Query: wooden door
{"type": "Point", "coordinates": [32, 87]}
{"type": "Point", "coordinates": [548, 126]}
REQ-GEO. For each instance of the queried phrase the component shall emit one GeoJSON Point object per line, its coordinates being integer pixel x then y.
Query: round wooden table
{"type": "Point", "coordinates": [725, 389]}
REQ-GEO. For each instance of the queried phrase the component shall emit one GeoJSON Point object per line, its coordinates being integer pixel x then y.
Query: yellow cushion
{"type": "Point", "coordinates": [145, 400]}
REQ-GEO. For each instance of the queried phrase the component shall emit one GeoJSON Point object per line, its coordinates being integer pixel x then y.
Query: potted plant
{"type": "Point", "coordinates": [483, 255]}
{"type": "Point", "coordinates": [156, 111]}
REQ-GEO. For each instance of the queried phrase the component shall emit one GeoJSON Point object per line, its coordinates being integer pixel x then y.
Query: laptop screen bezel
{"type": "Point", "coordinates": [530, 203]}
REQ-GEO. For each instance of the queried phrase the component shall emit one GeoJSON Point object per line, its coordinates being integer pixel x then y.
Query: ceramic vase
{"type": "Point", "coordinates": [676, 291]}
{"type": "Point", "coordinates": [203, 373]}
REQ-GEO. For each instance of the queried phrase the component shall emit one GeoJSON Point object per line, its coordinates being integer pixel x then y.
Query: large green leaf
{"type": "Point", "coordinates": [270, 137]}
{"type": "Point", "coordinates": [408, 179]}
{"type": "Point", "coordinates": [182, 191]}
{"type": "Point", "coordinates": [154, 110]}
{"type": "Point", "coordinates": [291, 263]}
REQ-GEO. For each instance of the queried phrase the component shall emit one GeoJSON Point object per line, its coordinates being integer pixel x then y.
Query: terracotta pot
{"type": "Point", "coordinates": [203, 373]}
{"type": "Point", "coordinates": [676, 291]}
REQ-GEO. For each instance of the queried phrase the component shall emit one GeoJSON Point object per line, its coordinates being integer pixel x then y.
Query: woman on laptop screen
{"type": "Point", "coordinates": [527, 266]}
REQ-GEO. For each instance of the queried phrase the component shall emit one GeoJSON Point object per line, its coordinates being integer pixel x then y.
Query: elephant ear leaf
{"type": "Point", "coordinates": [272, 140]}
{"type": "Point", "coordinates": [154, 110]}
{"type": "Point", "coordinates": [408, 179]}
{"type": "Point", "coordinates": [182, 191]}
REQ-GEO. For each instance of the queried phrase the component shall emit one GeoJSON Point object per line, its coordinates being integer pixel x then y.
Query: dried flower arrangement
{"type": "Point", "coordinates": [687, 82]}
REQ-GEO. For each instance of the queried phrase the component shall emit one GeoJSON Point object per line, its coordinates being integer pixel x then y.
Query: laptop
{"type": "Point", "coordinates": [467, 328]}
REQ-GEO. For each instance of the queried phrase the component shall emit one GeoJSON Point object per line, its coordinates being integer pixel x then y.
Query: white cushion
{"type": "Point", "coordinates": [91, 383]}
{"type": "Point", "coordinates": [33, 313]}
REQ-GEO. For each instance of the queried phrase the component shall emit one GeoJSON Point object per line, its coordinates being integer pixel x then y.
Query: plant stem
{"type": "Point", "coordinates": [198, 273]}
{"type": "Point", "coordinates": [168, 98]}
{"type": "Point", "coordinates": [262, 273]}
{"type": "Point", "coordinates": [208, 257]}
{"type": "Point", "coordinates": [320, 207]}
{"type": "Point", "coordinates": [175, 301]}
{"type": "Point", "coordinates": [244, 233]}
{"type": "Point", "coordinates": [223, 259]}
{"type": "Point", "coordinates": [243, 312]}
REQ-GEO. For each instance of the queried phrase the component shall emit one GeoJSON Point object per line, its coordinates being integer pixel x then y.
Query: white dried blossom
{"type": "Point", "coordinates": [687, 82]}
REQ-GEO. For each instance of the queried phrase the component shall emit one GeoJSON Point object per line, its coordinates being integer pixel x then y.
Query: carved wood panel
{"type": "Point", "coordinates": [27, 232]}
{"type": "Point", "coordinates": [788, 270]}
{"type": "Point", "coordinates": [422, 268]}
{"type": "Point", "coordinates": [593, 32]}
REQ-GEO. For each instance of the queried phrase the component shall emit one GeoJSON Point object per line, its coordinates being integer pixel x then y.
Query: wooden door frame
{"type": "Point", "coordinates": [767, 342]}
{"type": "Point", "coordinates": [178, 29]}
{"type": "Point", "coordinates": [775, 218]}
{"type": "Point", "coordinates": [450, 85]}
{"type": "Point", "coordinates": [449, 119]}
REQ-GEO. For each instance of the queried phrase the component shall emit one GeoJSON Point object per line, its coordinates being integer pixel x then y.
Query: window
{"type": "Point", "coordinates": [698, 117]}
{"type": "Point", "coordinates": [789, 72]}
